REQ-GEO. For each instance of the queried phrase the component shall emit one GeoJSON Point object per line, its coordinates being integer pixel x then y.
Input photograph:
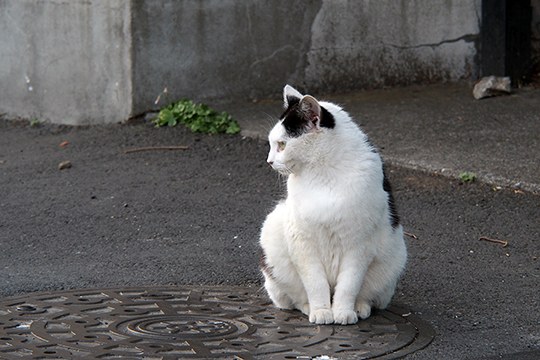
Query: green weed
{"type": "Point", "coordinates": [467, 176]}
{"type": "Point", "coordinates": [197, 117]}
{"type": "Point", "coordinates": [34, 122]}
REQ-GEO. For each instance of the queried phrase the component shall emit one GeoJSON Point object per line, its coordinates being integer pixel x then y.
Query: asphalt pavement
{"type": "Point", "coordinates": [192, 216]}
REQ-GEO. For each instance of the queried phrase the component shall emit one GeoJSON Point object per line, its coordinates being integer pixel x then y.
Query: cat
{"type": "Point", "coordinates": [334, 248]}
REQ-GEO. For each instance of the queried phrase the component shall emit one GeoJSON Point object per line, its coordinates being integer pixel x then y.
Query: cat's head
{"type": "Point", "coordinates": [292, 139]}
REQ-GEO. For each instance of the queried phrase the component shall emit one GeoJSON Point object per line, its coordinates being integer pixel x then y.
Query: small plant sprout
{"type": "Point", "coordinates": [197, 117]}
{"type": "Point", "coordinates": [467, 177]}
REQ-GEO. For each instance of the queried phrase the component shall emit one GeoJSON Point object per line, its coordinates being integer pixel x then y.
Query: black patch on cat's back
{"type": "Point", "coordinates": [295, 122]}
{"type": "Point", "coordinates": [394, 217]}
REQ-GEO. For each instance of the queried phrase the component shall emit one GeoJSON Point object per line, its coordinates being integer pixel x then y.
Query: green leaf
{"type": "Point", "coordinates": [197, 117]}
{"type": "Point", "coordinates": [467, 176]}
{"type": "Point", "coordinates": [233, 128]}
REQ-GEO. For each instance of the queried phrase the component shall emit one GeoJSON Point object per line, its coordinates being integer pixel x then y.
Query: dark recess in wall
{"type": "Point", "coordinates": [505, 39]}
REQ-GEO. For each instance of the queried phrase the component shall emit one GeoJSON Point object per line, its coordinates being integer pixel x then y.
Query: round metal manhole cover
{"type": "Point", "coordinates": [191, 323]}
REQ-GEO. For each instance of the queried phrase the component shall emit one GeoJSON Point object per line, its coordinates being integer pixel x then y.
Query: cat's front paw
{"type": "Point", "coordinates": [321, 316]}
{"type": "Point", "coordinates": [345, 317]}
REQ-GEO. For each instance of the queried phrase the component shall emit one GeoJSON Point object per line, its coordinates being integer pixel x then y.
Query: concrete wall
{"type": "Point", "coordinates": [98, 61]}
{"type": "Point", "coordinates": [65, 61]}
{"type": "Point", "coordinates": [219, 49]}
{"type": "Point", "coordinates": [250, 48]}
{"type": "Point", "coordinates": [382, 43]}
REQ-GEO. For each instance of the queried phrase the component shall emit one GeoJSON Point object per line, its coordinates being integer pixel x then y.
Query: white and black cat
{"type": "Point", "coordinates": [334, 247]}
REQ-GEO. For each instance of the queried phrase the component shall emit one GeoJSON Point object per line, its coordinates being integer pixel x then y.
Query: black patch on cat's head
{"type": "Point", "coordinates": [327, 119]}
{"type": "Point", "coordinates": [292, 100]}
{"type": "Point", "coordinates": [293, 121]}
{"type": "Point", "coordinates": [394, 217]}
{"type": "Point", "coordinates": [296, 122]}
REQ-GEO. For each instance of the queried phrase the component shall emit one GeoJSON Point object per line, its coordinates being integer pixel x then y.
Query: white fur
{"type": "Point", "coordinates": [329, 247]}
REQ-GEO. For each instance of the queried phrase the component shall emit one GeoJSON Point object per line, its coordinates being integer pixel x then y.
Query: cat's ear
{"type": "Point", "coordinates": [290, 95]}
{"type": "Point", "coordinates": [312, 111]}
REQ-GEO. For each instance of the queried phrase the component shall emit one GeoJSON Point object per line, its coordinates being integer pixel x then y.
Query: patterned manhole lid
{"type": "Point", "coordinates": [191, 322]}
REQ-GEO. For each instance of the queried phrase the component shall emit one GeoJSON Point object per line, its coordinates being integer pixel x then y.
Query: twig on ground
{"type": "Point", "coordinates": [504, 243]}
{"type": "Point", "coordinates": [155, 148]}
{"type": "Point", "coordinates": [410, 235]}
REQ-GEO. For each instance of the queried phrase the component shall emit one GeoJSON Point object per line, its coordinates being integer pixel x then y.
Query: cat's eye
{"type": "Point", "coordinates": [281, 145]}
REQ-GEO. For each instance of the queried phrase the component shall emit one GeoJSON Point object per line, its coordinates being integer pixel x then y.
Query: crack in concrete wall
{"type": "Point", "coordinates": [273, 55]}
{"type": "Point", "coordinates": [468, 38]}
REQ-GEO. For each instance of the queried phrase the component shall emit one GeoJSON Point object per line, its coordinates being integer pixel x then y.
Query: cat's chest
{"type": "Point", "coordinates": [315, 203]}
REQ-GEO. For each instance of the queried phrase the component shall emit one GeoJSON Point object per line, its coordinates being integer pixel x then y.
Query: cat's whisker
{"type": "Point", "coordinates": [270, 117]}
{"type": "Point", "coordinates": [270, 121]}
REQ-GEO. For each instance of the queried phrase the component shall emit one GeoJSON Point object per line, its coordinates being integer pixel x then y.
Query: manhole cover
{"type": "Point", "coordinates": [190, 322]}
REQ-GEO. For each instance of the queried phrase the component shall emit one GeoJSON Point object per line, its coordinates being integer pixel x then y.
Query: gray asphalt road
{"type": "Point", "coordinates": [193, 216]}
